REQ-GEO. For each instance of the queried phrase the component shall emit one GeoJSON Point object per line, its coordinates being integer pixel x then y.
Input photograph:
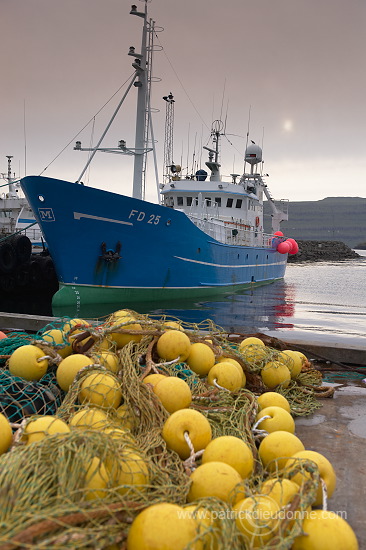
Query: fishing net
{"type": "Point", "coordinates": [303, 393]}
{"type": "Point", "coordinates": [13, 341]}
{"type": "Point", "coordinates": [46, 483]}
{"type": "Point", "coordinates": [20, 398]}
{"type": "Point", "coordinates": [84, 487]}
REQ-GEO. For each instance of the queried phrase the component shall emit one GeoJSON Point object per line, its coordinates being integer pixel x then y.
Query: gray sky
{"type": "Point", "coordinates": [295, 68]}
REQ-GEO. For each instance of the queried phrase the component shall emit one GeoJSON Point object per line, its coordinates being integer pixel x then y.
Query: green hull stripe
{"type": "Point", "coordinates": [77, 295]}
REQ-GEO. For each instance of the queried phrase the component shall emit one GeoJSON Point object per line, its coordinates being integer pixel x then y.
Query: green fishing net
{"type": "Point", "coordinates": [13, 341]}
{"type": "Point", "coordinates": [83, 488]}
{"type": "Point", "coordinates": [20, 398]}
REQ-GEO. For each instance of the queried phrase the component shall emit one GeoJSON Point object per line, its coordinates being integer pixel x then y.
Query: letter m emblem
{"type": "Point", "coordinates": [46, 214]}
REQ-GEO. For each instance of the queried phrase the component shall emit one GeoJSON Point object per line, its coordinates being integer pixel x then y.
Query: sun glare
{"type": "Point", "coordinates": [288, 125]}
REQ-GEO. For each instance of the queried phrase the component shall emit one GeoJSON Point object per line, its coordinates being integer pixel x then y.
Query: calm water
{"type": "Point", "coordinates": [326, 297]}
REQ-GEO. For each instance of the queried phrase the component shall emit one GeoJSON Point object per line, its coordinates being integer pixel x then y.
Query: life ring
{"type": "Point", "coordinates": [257, 221]}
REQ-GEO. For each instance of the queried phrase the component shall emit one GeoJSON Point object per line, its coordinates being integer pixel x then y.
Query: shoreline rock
{"type": "Point", "coordinates": [322, 251]}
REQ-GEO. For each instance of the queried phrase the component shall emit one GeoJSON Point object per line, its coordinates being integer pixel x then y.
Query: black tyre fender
{"type": "Point", "coordinates": [35, 272]}
{"type": "Point", "coordinates": [49, 270]}
{"type": "Point", "coordinates": [23, 248]}
{"type": "Point", "coordinates": [22, 276]}
{"type": "Point", "coordinates": [7, 282]}
{"type": "Point", "coordinates": [8, 258]}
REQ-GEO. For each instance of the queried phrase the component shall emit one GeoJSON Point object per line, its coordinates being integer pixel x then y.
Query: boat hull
{"type": "Point", "coordinates": [88, 294]}
{"type": "Point", "coordinates": [150, 252]}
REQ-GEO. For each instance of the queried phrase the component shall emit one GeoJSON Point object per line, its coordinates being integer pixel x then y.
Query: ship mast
{"type": "Point", "coordinates": [142, 81]}
{"type": "Point", "coordinates": [12, 194]}
{"type": "Point", "coordinates": [142, 96]}
{"type": "Point", "coordinates": [213, 154]}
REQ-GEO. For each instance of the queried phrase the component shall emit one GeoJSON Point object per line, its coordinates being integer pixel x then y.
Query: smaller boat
{"type": "Point", "coordinates": [16, 216]}
{"type": "Point", "coordinates": [26, 224]}
{"type": "Point", "coordinates": [11, 203]}
{"type": "Point", "coordinates": [21, 243]}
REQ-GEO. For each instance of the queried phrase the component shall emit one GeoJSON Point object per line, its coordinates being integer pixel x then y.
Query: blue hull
{"type": "Point", "coordinates": [163, 255]}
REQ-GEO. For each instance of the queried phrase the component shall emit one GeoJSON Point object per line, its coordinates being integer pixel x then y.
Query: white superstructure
{"type": "Point", "coordinates": [229, 211]}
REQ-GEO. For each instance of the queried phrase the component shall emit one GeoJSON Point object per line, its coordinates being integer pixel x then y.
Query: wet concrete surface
{"type": "Point", "coordinates": [338, 431]}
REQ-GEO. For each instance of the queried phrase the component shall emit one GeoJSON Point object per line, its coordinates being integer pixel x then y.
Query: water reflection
{"type": "Point", "coordinates": [269, 306]}
{"type": "Point", "coordinates": [327, 297]}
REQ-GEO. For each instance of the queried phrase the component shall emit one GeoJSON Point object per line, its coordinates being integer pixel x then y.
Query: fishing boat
{"type": "Point", "coordinates": [205, 236]}
{"type": "Point", "coordinates": [19, 231]}
{"type": "Point", "coordinates": [14, 209]}
{"type": "Point", "coordinates": [16, 216]}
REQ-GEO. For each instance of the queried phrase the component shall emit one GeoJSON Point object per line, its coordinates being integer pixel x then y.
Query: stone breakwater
{"type": "Point", "coordinates": [320, 251]}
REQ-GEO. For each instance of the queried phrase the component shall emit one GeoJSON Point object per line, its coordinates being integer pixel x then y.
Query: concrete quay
{"type": "Point", "coordinates": [338, 431]}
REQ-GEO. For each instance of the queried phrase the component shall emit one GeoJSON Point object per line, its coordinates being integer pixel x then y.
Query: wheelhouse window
{"type": "Point", "coordinates": [238, 203]}
{"type": "Point", "coordinates": [189, 201]}
{"type": "Point", "coordinates": [208, 201]}
{"type": "Point", "coordinates": [229, 203]}
{"type": "Point", "coordinates": [218, 201]}
{"type": "Point", "coordinates": [179, 201]}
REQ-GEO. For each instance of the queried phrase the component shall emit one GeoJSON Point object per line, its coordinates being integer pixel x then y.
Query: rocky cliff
{"type": "Point", "coordinates": [317, 251]}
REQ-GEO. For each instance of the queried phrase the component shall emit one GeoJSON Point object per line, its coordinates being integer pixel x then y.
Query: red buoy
{"type": "Point", "coordinates": [284, 247]}
{"type": "Point", "coordinates": [294, 246]}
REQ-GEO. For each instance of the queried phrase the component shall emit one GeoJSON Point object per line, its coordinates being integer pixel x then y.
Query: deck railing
{"type": "Point", "coordinates": [233, 234]}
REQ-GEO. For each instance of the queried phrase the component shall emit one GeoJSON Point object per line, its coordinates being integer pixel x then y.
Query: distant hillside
{"type": "Point", "coordinates": [331, 219]}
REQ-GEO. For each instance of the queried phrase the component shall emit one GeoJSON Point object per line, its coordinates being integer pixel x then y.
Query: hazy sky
{"type": "Point", "coordinates": [293, 70]}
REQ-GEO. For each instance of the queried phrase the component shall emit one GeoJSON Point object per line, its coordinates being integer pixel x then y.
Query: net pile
{"type": "Point", "coordinates": [20, 398]}
{"type": "Point", "coordinates": [303, 393]}
{"type": "Point", "coordinates": [84, 487]}
{"type": "Point", "coordinates": [13, 341]}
